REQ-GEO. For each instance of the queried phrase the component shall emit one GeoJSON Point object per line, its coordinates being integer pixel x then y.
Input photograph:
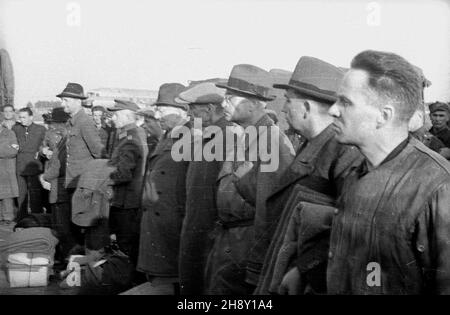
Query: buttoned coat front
{"type": "Point", "coordinates": [163, 206]}
{"type": "Point", "coordinates": [83, 145]}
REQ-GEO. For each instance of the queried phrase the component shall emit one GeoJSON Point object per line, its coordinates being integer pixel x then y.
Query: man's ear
{"type": "Point", "coordinates": [387, 114]}
{"type": "Point", "coordinates": [307, 106]}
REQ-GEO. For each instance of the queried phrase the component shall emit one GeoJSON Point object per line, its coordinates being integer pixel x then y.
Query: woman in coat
{"type": "Point", "coordinates": [8, 180]}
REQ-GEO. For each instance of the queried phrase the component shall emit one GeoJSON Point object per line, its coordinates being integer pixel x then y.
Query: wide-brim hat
{"type": "Point", "coordinates": [73, 90]}
{"type": "Point", "coordinates": [250, 80]}
{"type": "Point", "coordinates": [315, 78]}
{"type": "Point", "coordinates": [167, 94]}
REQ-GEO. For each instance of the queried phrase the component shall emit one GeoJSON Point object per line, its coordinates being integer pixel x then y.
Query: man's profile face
{"type": "Point", "coordinates": [25, 119]}
{"type": "Point", "coordinates": [8, 112]}
{"type": "Point", "coordinates": [236, 108]}
{"type": "Point", "coordinates": [152, 126]}
{"type": "Point", "coordinates": [201, 112]}
{"type": "Point", "coordinates": [439, 118]}
{"type": "Point", "coordinates": [355, 118]}
{"type": "Point", "coordinates": [169, 116]}
{"type": "Point", "coordinates": [295, 110]}
{"type": "Point", "coordinates": [71, 105]}
{"type": "Point", "coordinates": [119, 118]}
{"type": "Point", "coordinates": [87, 110]}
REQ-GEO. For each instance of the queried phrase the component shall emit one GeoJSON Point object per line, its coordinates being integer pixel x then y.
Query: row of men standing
{"type": "Point", "coordinates": [221, 226]}
{"type": "Point", "coordinates": [348, 200]}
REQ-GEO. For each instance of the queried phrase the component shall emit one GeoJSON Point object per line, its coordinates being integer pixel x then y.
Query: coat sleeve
{"type": "Point", "coordinates": [7, 151]}
{"type": "Point", "coordinates": [433, 240]}
{"type": "Point", "coordinates": [266, 219]}
{"type": "Point", "coordinates": [92, 139]}
{"type": "Point", "coordinates": [128, 157]}
{"type": "Point", "coordinates": [53, 170]}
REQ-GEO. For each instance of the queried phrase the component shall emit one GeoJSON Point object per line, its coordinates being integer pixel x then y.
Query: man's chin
{"type": "Point", "coordinates": [341, 138]}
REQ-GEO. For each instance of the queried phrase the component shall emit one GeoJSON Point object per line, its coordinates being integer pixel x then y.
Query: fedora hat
{"type": "Point", "coordinates": [168, 93]}
{"type": "Point", "coordinates": [250, 80]}
{"type": "Point", "coordinates": [73, 90]}
{"type": "Point", "coordinates": [315, 78]}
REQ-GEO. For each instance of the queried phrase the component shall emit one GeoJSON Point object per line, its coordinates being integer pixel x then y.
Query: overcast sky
{"type": "Point", "coordinates": [142, 44]}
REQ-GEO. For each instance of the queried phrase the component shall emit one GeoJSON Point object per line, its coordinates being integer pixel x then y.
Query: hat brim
{"type": "Point", "coordinates": [181, 101]}
{"type": "Point", "coordinates": [114, 109]}
{"type": "Point", "coordinates": [307, 92]}
{"type": "Point", "coordinates": [182, 106]}
{"type": "Point", "coordinates": [224, 86]}
{"type": "Point", "coordinates": [70, 95]}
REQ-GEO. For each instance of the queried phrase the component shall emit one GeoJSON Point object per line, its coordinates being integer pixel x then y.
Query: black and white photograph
{"type": "Point", "coordinates": [224, 152]}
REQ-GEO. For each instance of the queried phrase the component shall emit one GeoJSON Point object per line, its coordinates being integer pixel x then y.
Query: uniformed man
{"type": "Point", "coordinates": [440, 116]}
{"type": "Point", "coordinates": [245, 224]}
{"type": "Point", "coordinates": [164, 199]}
{"type": "Point", "coordinates": [418, 130]}
{"type": "Point", "coordinates": [390, 234]}
{"type": "Point", "coordinates": [129, 157]}
{"type": "Point", "coordinates": [205, 105]}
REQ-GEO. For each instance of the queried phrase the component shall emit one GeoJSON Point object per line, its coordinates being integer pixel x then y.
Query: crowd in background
{"type": "Point", "coordinates": [360, 179]}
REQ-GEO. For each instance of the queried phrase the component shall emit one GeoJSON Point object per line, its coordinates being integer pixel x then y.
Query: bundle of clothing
{"type": "Point", "coordinates": [29, 246]}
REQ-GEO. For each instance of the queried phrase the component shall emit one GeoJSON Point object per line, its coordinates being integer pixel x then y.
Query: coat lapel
{"type": "Point", "coordinates": [303, 164]}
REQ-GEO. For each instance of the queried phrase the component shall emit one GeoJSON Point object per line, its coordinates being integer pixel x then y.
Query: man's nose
{"type": "Point", "coordinates": [334, 111]}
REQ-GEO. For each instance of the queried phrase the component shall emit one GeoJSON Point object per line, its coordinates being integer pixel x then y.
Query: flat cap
{"type": "Point", "coordinates": [123, 105]}
{"type": "Point", "coordinates": [439, 106]}
{"type": "Point", "coordinates": [146, 113]}
{"type": "Point", "coordinates": [202, 93]}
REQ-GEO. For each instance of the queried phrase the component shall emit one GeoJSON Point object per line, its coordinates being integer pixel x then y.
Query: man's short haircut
{"type": "Point", "coordinates": [8, 105]}
{"type": "Point", "coordinates": [393, 78]}
{"type": "Point", "coordinates": [98, 108]}
{"type": "Point", "coordinates": [26, 110]}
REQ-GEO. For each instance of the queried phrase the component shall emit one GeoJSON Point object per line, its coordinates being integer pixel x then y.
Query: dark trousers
{"type": "Point", "coordinates": [30, 195]}
{"type": "Point", "coordinates": [62, 224]}
{"type": "Point", "coordinates": [124, 223]}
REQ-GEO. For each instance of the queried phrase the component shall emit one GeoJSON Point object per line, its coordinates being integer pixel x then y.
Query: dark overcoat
{"type": "Point", "coordinates": [129, 157]}
{"type": "Point", "coordinates": [30, 139]}
{"type": "Point", "coordinates": [315, 176]}
{"type": "Point", "coordinates": [200, 219]}
{"type": "Point", "coordinates": [163, 206]}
